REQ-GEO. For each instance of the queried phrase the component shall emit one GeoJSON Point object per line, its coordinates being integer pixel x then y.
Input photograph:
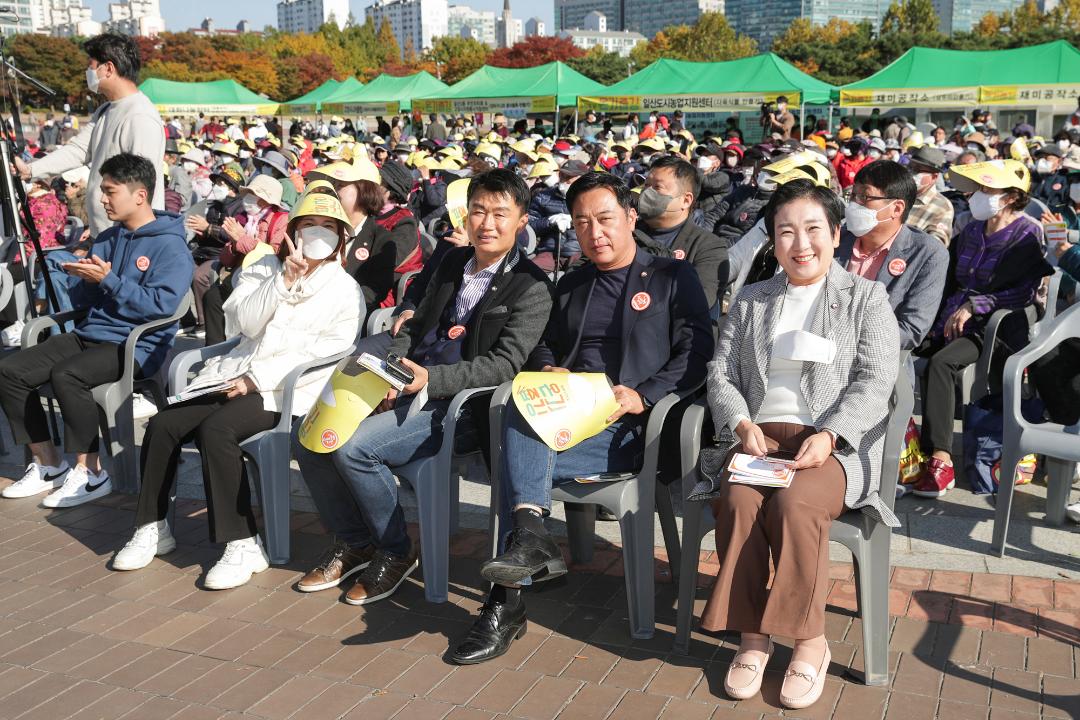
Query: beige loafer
{"type": "Point", "coordinates": [746, 664]}
{"type": "Point", "coordinates": [803, 683]}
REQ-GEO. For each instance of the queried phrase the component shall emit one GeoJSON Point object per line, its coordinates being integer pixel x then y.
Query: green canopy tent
{"type": "Point", "coordinates": [348, 85]}
{"type": "Point", "coordinates": [733, 86]}
{"type": "Point", "coordinates": [385, 95]}
{"type": "Point", "coordinates": [309, 103]}
{"type": "Point", "coordinates": [217, 97]}
{"type": "Point", "coordinates": [515, 92]}
{"type": "Point", "coordinates": [1039, 75]}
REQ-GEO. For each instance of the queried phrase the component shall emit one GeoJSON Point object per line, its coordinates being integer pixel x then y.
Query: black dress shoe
{"type": "Point", "coordinates": [492, 633]}
{"type": "Point", "coordinates": [528, 555]}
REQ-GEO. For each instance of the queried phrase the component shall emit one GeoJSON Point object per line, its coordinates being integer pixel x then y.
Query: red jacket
{"type": "Point", "coordinates": [848, 167]}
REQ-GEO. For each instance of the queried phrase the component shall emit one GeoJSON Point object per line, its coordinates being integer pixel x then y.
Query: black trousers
{"type": "Point", "coordinates": [74, 366]}
{"type": "Point", "coordinates": [214, 310]}
{"type": "Point", "coordinates": [218, 426]}
{"type": "Point", "coordinates": [939, 391]}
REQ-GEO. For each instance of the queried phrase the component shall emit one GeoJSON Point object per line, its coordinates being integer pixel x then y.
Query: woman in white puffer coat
{"type": "Point", "coordinates": [288, 308]}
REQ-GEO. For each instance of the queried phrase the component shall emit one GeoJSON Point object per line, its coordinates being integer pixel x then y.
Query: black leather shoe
{"type": "Point", "coordinates": [527, 555]}
{"type": "Point", "coordinates": [492, 633]}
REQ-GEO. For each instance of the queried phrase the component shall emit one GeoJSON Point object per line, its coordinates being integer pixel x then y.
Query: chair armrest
{"type": "Point", "coordinates": [1052, 290]}
{"type": "Point", "coordinates": [653, 427]}
{"type": "Point", "coordinates": [690, 441]}
{"type": "Point", "coordinates": [453, 414]}
{"type": "Point", "coordinates": [981, 386]}
{"type": "Point", "coordinates": [289, 387]}
{"type": "Point", "coordinates": [139, 330]}
{"type": "Point", "coordinates": [183, 362]}
{"type": "Point", "coordinates": [1012, 380]}
{"type": "Point", "coordinates": [33, 330]}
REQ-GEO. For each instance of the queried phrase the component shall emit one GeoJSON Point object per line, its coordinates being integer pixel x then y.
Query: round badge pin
{"type": "Point", "coordinates": [143, 263]}
{"type": "Point", "coordinates": [680, 254]}
{"type": "Point", "coordinates": [640, 301]}
{"type": "Point", "coordinates": [562, 438]}
{"type": "Point", "coordinates": [897, 267]}
{"type": "Point", "coordinates": [329, 439]}
{"type": "Point", "coordinates": [455, 332]}
{"type": "Point", "coordinates": [362, 254]}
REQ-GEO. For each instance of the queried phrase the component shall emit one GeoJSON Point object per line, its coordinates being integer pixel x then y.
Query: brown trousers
{"type": "Point", "coordinates": [789, 524]}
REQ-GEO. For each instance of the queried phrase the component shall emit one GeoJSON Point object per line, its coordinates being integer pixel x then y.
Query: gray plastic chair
{"type": "Point", "coordinates": [403, 285]}
{"type": "Point", "coordinates": [437, 493]}
{"type": "Point", "coordinates": [379, 321]}
{"type": "Point", "coordinates": [1060, 444]}
{"type": "Point", "coordinates": [115, 399]}
{"type": "Point", "coordinates": [866, 538]}
{"type": "Point", "coordinates": [1053, 288]}
{"type": "Point", "coordinates": [266, 454]}
{"type": "Point", "coordinates": [633, 501]}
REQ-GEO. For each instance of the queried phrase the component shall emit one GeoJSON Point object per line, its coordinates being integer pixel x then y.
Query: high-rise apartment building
{"type": "Point", "coordinates": [464, 21]}
{"type": "Point", "coordinates": [415, 22]}
{"type": "Point", "coordinates": [764, 20]}
{"type": "Point", "coordinates": [136, 17]}
{"type": "Point", "coordinates": [296, 16]}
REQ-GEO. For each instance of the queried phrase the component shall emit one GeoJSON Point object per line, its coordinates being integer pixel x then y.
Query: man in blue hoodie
{"type": "Point", "coordinates": [138, 270]}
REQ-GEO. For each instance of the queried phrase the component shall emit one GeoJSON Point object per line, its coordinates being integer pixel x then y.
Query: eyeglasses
{"type": "Point", "coordinates": [863, 198]}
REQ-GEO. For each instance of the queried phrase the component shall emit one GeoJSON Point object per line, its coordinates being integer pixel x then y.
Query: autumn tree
{"type": "Point", "coordinates": [535, 50]}
{"type": "Point", "coordinates": [56, 62]}
{"type": "Point", "coordinates": [455, 58]}
{"type": "Point", "coordinates": [912, 17]}
{"type": "Point", "coordinates": [603, 67]}
{"type": "Point", "coordinates": [710, 39]}
{"type": "Point", "coordinates": [838, 52]}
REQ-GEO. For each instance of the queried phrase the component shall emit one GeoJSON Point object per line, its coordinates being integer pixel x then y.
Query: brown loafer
{"type": "Point", "coordinates": [337, 564]}
{"type": "Point", "coordinates": [382, 577]}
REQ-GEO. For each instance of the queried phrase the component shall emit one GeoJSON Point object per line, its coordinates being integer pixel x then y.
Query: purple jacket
{"type": "Point", "coordinates": [1002, 271]}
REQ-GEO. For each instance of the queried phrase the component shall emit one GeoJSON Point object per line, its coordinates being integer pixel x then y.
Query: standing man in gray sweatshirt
{"type": "Point", "coordinates": [127, 123]}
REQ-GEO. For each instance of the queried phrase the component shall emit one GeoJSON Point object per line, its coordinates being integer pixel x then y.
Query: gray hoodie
{"type": "Point", "coordinates": [131, 124]}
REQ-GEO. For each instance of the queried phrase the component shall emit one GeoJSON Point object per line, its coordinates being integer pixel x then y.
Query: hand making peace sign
{"type": "Point", "coordinates": [296, 265]}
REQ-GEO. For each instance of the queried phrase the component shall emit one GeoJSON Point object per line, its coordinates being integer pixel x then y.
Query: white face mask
{"type": "Point", "coordinates": [731, 160]}
{"type": "Point", "coordinates": [564, 187]}
{"type": "Point", "coordinates": [551, 180]}
{"type": "Point", "coordinates": [251, 204]}
{"type": "Point", "coordinates": [1042, 166]}
{"type": "Point", "coordinates": [220, 192]}
{"type": "Point", "coordinates": [860, 219]}
{"type": "Point", "coordinates": [983, 206]}
{"type": "Point", "coordinates": [704, 164]}
{"type": "Point", "coordinates": [830, 153]}
{"type": "Point", "coordinates": [874, 154]}
{"type": "Point", "coordinates": [1074, 192]}
{"type": "Point", "coordinates": [319, 242]}
{"type": "Point", "coordinates": [1063, 144]}
{"type": "Point", "coordinates": [847, 152]}
{"type": "Point", "coordinates": [245, 154]}
{"type": "Point", "coordinates": [922, 180]}
{"type": "Point", "coordinates": [93, 82]}
{"type": "Point", "coordinates": [190, 166]}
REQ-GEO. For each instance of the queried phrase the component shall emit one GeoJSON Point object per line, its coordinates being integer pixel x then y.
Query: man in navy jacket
{"type": "Point", "coordinates": [138, 271]}
{"type": "Point", "coordinates": [642, 320]}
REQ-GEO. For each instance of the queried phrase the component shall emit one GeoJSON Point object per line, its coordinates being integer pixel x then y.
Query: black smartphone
{"type": "Point", "coordinates": [397, 369]}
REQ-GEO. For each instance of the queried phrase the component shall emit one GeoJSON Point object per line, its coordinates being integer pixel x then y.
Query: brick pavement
{"type": "Point", "coordinates": [78, 640]}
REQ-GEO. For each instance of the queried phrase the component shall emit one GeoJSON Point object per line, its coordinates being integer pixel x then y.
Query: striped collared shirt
{"type": "Point", "coordinates": [474, 283]}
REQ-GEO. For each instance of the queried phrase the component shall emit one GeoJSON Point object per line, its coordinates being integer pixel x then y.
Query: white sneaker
{"type": "Point", "coordinates": [142, 407]}
{"type": "Point", "coordinates": [149, 541]}
{"type": "Point", "coordinates": [1073, 512]}
{"type": "Point", "coordinates": [242, 559]}
{"type": "Point", "coordinates": [37, 479]}
{"type": "Point", "coordinates": [11, 336]}
{"type": "Point", "coordinates": [80, 486]}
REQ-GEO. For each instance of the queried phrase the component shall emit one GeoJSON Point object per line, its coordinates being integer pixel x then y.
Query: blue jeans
{"type": "Point", "coordinates": [354, 488]}
{"type": "Point", "coordinates": [62, 282]}
{"type": "Point", "coordinates": [529, 467]}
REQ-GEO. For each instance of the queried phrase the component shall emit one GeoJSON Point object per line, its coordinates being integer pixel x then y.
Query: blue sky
{"type": "Point", "coordinates": [184, 14]}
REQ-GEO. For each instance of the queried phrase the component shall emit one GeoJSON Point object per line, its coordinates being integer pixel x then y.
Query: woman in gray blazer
{"type": "Point", "coordinates": [804, 369]}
